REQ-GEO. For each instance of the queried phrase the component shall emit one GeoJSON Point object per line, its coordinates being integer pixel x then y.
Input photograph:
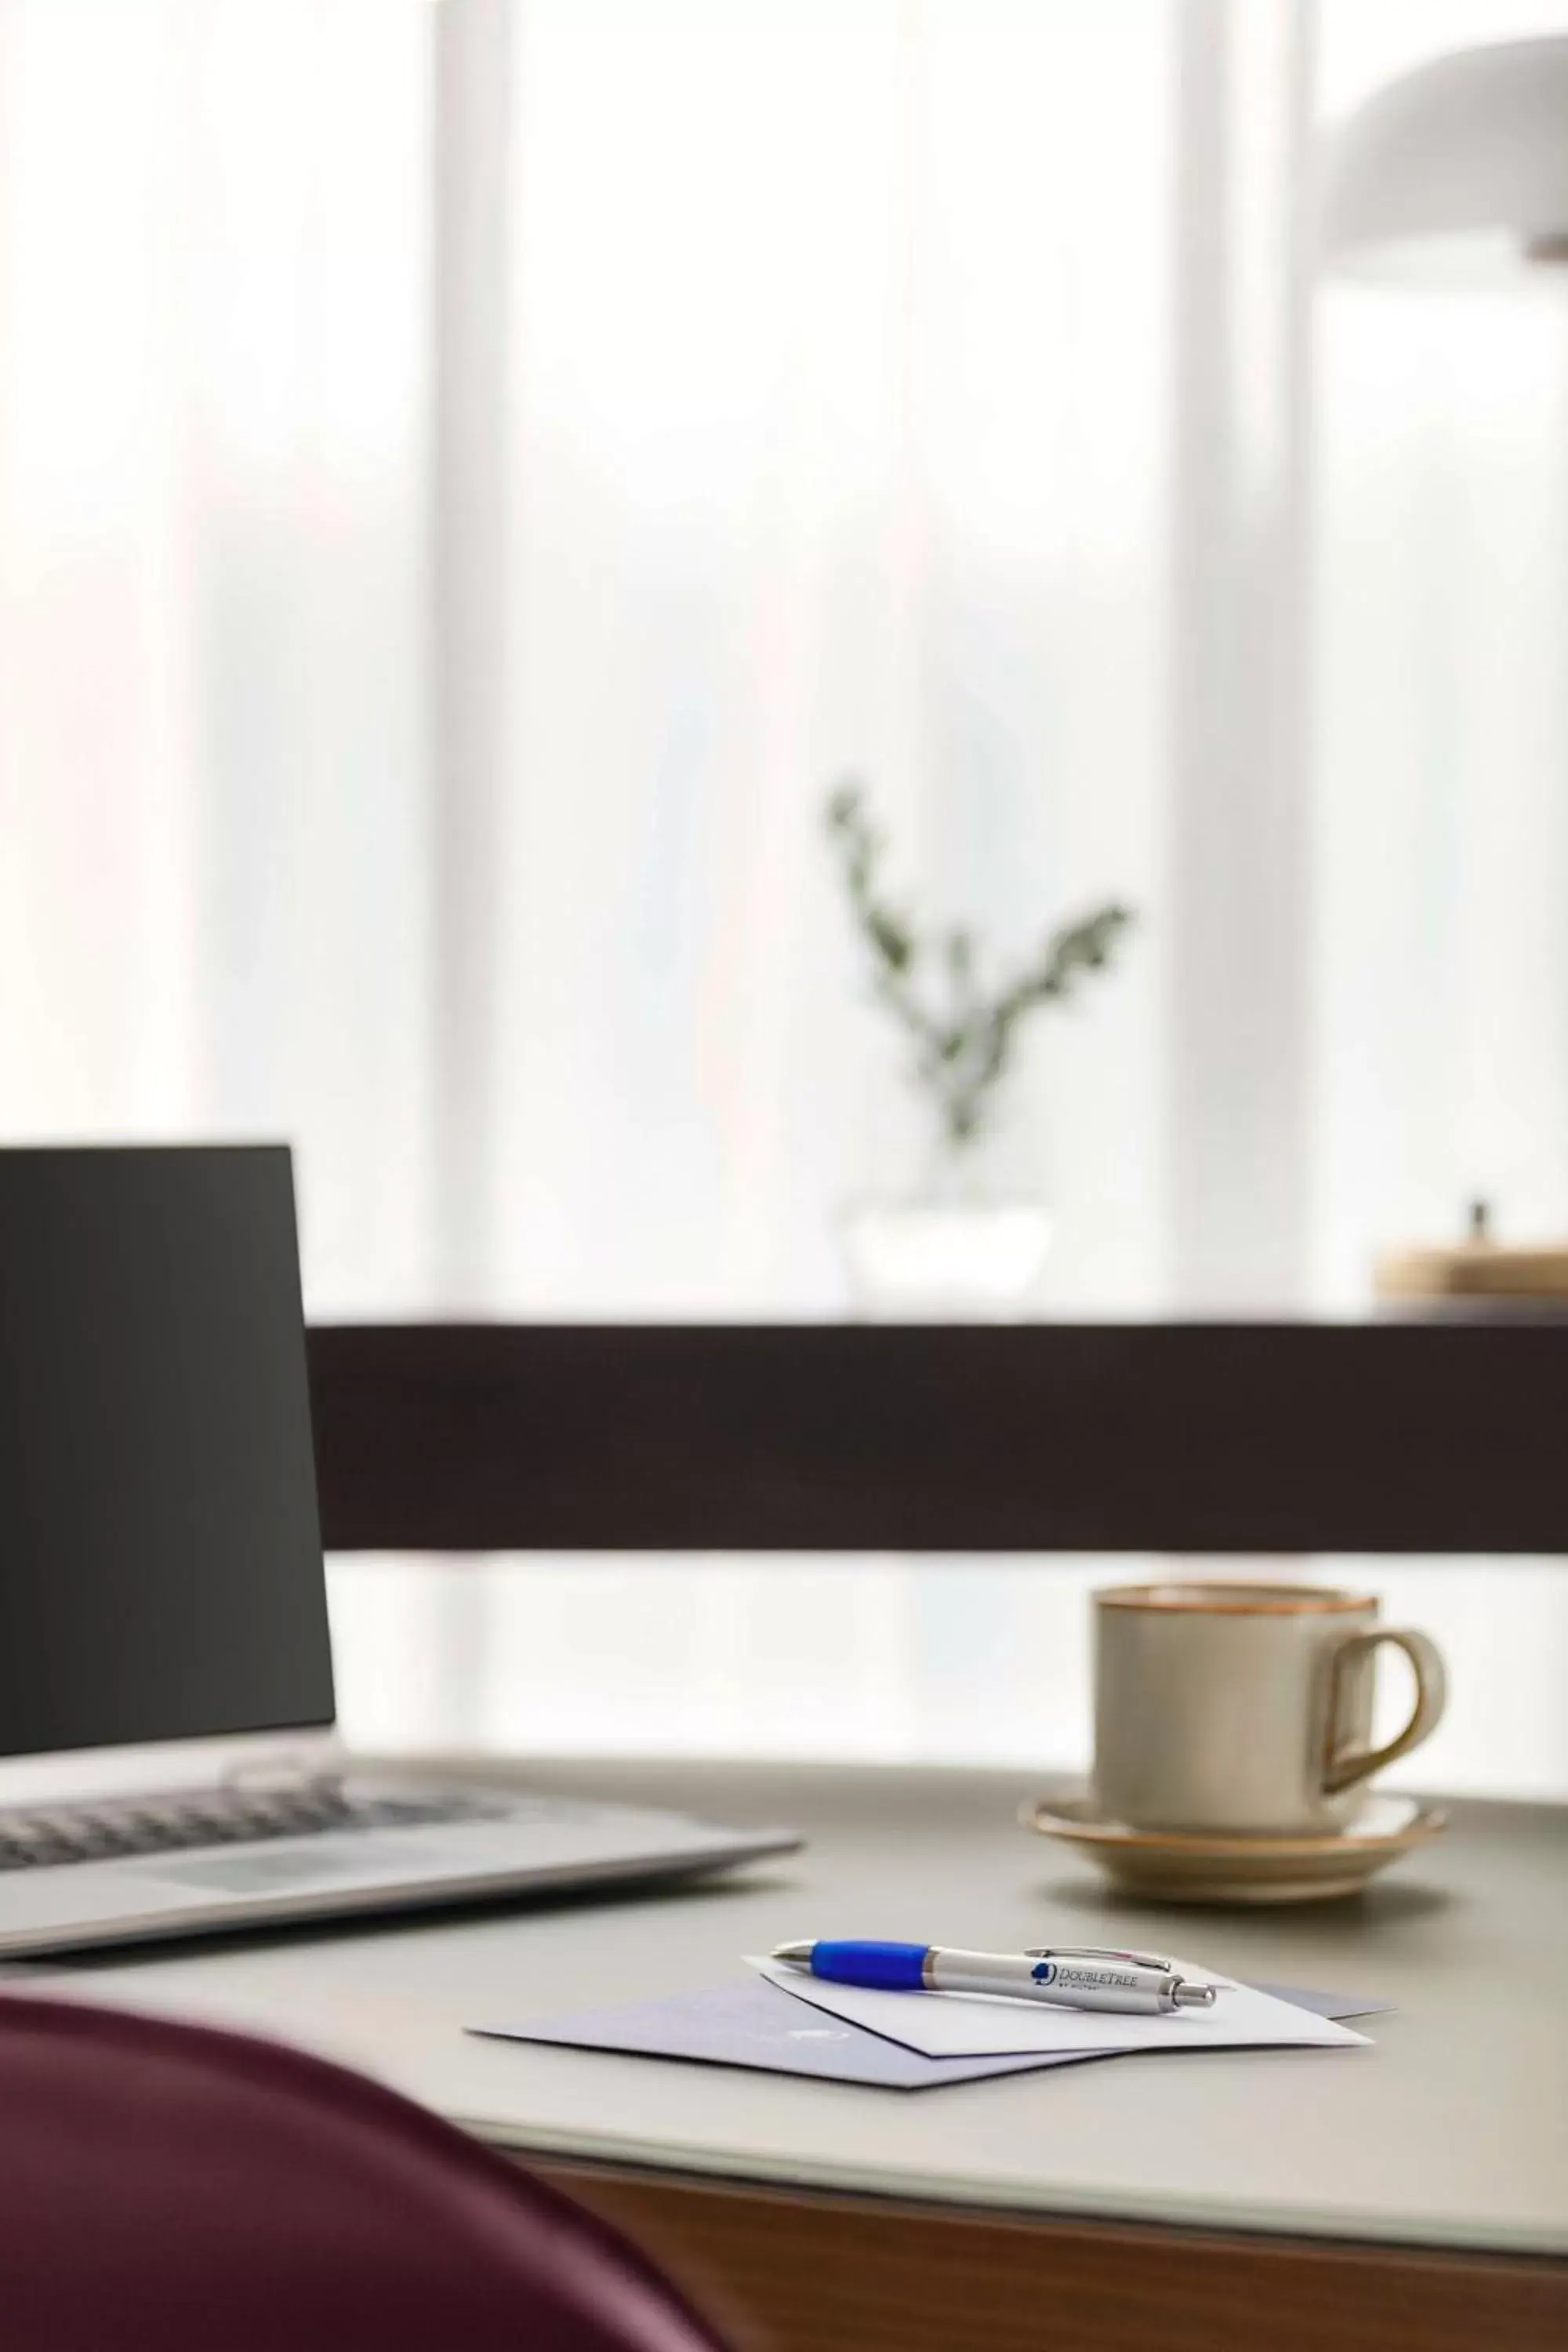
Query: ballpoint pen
{"type": "Point", "coordinates": [1139, 1984]}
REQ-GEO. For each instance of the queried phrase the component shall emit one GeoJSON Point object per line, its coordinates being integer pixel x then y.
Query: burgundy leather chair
{"type": "Point", "coordinates": [168, 2188]}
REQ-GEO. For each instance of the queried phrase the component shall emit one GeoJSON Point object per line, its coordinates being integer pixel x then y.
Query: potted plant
{"type": "Point", "coordinates": [950, 1248]}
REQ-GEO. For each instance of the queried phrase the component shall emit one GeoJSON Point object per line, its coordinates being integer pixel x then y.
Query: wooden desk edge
{"type": "Point", "coordinates": [816, 2270]}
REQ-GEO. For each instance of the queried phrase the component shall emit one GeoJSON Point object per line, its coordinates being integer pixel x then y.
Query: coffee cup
{"type": "Point", "coordinates": [1245, 1709]}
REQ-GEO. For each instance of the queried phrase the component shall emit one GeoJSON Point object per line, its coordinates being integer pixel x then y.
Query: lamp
{"type": "Point", "coordinates": [1456, 174]}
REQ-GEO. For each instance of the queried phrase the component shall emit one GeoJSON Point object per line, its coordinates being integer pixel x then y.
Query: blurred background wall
{"type": "Point", "coordinates": [472, 474]}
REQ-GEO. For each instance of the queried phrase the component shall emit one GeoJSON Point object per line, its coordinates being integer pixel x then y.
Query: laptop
{"type": "Point", "coordinates": [170, 1762]}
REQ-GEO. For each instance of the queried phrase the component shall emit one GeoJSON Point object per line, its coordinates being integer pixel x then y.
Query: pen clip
{"type": "Point", "coordinates": [1097, 1952]}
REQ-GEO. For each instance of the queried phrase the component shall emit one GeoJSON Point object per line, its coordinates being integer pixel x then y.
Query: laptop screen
{"type": "Point", "coordinates": [161, 1572]}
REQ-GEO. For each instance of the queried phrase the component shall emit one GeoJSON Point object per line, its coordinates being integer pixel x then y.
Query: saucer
{"type": "Point", "coordinates": [1189, 1868]}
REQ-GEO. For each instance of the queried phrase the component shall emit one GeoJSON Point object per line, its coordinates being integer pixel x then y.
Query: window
{"type": "Point", "coordinates": [441, 575]}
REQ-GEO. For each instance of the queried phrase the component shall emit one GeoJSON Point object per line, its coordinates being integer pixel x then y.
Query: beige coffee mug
{"type": "Point", "coordinates": [1244, 1709]}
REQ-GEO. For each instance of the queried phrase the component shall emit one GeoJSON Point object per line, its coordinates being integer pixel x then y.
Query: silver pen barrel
{"type": "Point", "coordinates": [1113, 1985]}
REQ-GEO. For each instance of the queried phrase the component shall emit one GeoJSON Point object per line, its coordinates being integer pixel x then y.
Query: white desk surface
{"type": "Point", "coordinates": [1452, 2132]}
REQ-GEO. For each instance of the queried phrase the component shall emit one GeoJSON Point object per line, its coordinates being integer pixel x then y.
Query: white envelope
{"type": "Point", "coordinates": [972, 2025]}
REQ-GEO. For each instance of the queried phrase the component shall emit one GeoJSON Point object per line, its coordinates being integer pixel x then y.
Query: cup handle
{"type": "Point", "coordinates": [1343, 1769]}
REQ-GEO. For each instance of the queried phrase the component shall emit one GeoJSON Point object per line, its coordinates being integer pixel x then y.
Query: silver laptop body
{"type": "Point", "coordinates": [169, 1757]}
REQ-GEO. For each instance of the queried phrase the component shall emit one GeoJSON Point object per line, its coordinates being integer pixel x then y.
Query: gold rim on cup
{"type": "Point", "coordinates": [1238, 1600]}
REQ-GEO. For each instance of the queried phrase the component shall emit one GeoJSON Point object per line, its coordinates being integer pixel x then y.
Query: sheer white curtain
{"type": "Point", "coordinates": [935, 390]}
{"type": "Point", "coordinates": [838, 422]}
{"type": "Point", "coordinates": [471, 475]}
{"type": "Point", "coordinates": [1440, 963]}
{"type": "Point", "coordinates": [214, 801]}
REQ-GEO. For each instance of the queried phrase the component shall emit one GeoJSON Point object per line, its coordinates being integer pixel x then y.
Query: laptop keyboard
{"type": "Point", "coordinates": [103, 1832]}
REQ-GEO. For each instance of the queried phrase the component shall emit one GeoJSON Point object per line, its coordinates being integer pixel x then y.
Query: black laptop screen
{"type": "Point", "coordinates": [160, 1571]}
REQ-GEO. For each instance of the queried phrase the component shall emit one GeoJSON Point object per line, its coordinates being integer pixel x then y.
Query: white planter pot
{"type": "Point", "coordinates": [936, 1259]}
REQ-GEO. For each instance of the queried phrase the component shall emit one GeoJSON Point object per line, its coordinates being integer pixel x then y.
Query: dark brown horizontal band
{"type": "Point", "coordinates": [1239, 1439]}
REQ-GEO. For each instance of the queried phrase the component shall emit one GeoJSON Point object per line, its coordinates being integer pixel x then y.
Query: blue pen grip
{"type": "Point", "coordinates": [890, 1968]}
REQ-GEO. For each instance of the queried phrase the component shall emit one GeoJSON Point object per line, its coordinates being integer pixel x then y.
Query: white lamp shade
{"type": "Point", "coordinates": [1456, 173]}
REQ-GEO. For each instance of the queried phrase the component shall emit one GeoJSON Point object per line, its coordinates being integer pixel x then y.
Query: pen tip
{"type": "Point", "coordinates": [794, 1956]}
{"type": "Point", "coordinates": [1194, 1996]}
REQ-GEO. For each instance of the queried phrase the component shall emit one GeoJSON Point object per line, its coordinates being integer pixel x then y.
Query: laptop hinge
{"type": "Point", "coordinates": [92, 1775]}
{"type": "Point", "coordinates": [284, 1776]}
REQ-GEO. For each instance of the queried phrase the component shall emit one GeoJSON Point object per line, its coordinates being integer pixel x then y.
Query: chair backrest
{"type": "Point", "coordinates": [182, 2189]}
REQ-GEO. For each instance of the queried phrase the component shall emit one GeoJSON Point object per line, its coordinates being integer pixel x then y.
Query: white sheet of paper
{"type": "Point", "coordinates": [968, 2025]}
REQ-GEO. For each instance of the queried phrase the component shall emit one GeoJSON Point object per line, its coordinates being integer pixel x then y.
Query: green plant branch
{"type": "Point", "coordinates": [962, 1046]}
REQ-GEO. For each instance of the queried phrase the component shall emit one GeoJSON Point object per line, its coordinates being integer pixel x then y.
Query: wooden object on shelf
{"type": "Point", "coordinates": [1475, 1270]}
{"type": "Point", "coordinates": [1478, 1267]}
